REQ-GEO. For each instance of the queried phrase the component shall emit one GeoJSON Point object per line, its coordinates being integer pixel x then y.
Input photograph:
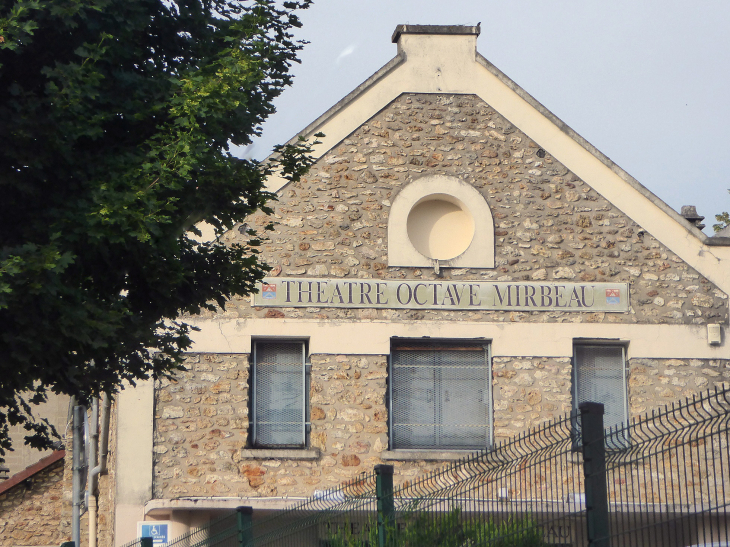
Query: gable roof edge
{"type": "Point", "coordinates": [565, 128]}
{"type": "Point", "coordinates": [331, 112]}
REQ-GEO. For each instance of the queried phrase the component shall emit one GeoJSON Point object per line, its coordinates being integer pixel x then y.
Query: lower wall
{"type": "Point", "coordinates": [107, 488]}
{"type": "Point", "coordinates": [201, 419]}
{"type": "Point", "coordinates": [201, 429]}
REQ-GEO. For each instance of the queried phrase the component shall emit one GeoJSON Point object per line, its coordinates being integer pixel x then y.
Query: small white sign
{"type": "Point", "coordinates": [158, 530]}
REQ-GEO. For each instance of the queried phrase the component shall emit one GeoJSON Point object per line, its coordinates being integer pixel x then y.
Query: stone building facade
{"type": "Point", "coordinates": [32, 508]}
{"type": "Point", "coordinates": [571, 280]}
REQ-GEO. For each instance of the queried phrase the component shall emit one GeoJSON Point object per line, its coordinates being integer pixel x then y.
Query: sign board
{"type": "Point", "coordinates": [158, 530]}
{"type": "Point", "coordinates": [443, 295]}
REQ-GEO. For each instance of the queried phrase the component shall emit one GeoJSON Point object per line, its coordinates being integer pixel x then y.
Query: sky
{"type": "Point", "coordinates": [644, 81]}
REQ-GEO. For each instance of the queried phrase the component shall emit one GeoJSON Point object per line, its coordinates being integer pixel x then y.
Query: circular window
{"type": "Point", "coordinates": [440, 227]}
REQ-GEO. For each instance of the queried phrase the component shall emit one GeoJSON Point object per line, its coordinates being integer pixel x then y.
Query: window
{"type": "Point", "coordinates": [440, 395]}
{"type": "Point", "coordinates": [279, 386]}
{"type": "Point", "coordinates": [600, 377]}
{"type": "Point", "coordinates": [438, 219]}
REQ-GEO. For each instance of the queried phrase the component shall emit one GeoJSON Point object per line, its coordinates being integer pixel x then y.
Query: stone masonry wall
{"type": "Point", "coordinates": [549, 224]}
{"type": "Point", "coordinates": [107, 489]}
{"type": "Point", "coordinates": [201, 424]}
{"type": "Point", "coordinates": [658, 382]}
{"type": "Point", "coordinates": [201, 420]}
{"type": "Point", "coordinates": [349, 414]}
{"type": "Point", "coordinates": [201, 451]}
{"type": "Point", "coordinates": [32, 515]}
{"type": "Point", "coordinates": [529, 391]}
{"type": "Point", "coordinates": [201, 427]}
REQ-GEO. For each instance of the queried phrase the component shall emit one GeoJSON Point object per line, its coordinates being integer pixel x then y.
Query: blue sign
{"type": "Point", "coordinates": [158, 533]}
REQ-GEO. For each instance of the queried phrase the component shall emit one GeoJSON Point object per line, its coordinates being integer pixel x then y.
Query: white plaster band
{"type": "Point", "coordinates": [508, 339]}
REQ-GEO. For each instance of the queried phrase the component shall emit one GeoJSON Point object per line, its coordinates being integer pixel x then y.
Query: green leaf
{"type": "Point", "coordinates": [116, 145]}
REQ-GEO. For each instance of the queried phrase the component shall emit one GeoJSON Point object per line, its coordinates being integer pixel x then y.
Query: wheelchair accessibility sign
{"type": "Point", "coordinates": [156, 530]}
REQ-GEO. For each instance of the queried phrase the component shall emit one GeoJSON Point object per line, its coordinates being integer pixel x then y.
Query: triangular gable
{"type": "Point", "coordinates": [443, 59]}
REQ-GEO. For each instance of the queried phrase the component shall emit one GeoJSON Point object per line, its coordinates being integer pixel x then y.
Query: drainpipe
{"type": "Point", "coordinates": [94, 469]}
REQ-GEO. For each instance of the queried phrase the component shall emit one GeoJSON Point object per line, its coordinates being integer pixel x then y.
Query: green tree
{"type": "Point", "coordinates": [723, 221]}
{"type": "Point", "coordinates": [116, 118]}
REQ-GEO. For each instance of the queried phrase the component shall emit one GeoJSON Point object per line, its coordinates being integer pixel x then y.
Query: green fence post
{"type": "Point", "coordinates": [594, 471]}
{"type": "Point", "coordinates": [145, 542]}
{"type": "Point", "coordinates": [386, 504]}
{"type": "Point", "coordinates": [245, 521]}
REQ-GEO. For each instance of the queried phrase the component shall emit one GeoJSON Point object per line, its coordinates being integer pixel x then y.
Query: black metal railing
{"type": "Point", "coordinates": [139, 542]}
{"type": "Point", "coordinates": [669, 479]}
{"type": "Point", "coordinates": [321, 515]}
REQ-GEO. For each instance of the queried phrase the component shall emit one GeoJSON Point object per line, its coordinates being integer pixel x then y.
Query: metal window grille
{"type": "Point", "coordinates": [600, 377]}
{"type": "Point", "coordinates": [440, 396]}
{"type": "Point", "coordinates": [279, 410]}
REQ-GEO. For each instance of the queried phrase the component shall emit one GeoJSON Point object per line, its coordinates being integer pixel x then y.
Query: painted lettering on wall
{"type": "Point", "coordinates": [448, 295]}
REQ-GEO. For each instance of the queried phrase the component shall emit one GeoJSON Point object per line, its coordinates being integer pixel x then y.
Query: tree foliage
{"type": "Point", "coordinates": [117, 117]}
{"type": "Point", "coordinates": [723, 221]}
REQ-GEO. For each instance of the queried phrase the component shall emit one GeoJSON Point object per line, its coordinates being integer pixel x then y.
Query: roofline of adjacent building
{"type": "Point", "coordinates": [31, 470]}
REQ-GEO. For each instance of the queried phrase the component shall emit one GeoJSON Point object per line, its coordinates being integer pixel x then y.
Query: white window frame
{"type": "Point", "coordinates": [254, 421]}
{"type": "Point", "coordinates": [620, 441]}
{"type": "Point", "coordinates": [486, 345]}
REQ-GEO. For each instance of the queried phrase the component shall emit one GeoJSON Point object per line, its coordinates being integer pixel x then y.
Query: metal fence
{"type": "Point", "coordinates": [667, 476]}
{"type": "Point", "coordinates": [662, 480]}
{"type": "Point", "coordinates": [519, 491]}
{"type": "Point", "coordinates": [139, 542]}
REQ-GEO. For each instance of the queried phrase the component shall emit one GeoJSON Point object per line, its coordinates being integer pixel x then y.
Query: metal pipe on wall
{"type": "Point", "coordinates": [102, 451]}
{"type": "Point", "coordinates": [106, 405]}
{"type": "Point", "coordinates": [77, 468]}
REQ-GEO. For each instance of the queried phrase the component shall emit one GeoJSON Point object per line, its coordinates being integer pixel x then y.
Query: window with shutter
{"type": "Point", "coordinates": [278, 400]}
{"type": "Point", "coordinates": [440, 396]}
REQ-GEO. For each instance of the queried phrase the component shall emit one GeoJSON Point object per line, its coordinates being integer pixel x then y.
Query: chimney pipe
{"type": "Point", "coordinates": [690, 213]}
